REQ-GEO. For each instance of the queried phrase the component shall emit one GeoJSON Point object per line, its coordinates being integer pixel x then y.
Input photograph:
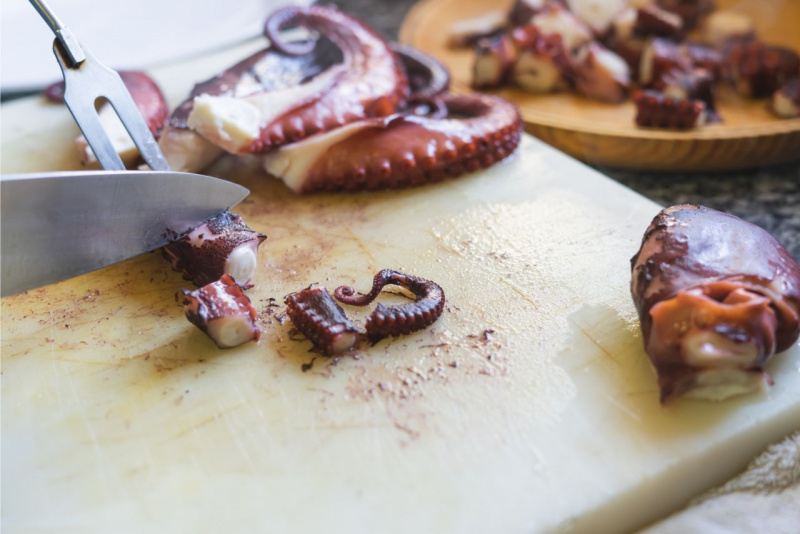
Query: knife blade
{"type": "Point", "coordinates": [58, 225]}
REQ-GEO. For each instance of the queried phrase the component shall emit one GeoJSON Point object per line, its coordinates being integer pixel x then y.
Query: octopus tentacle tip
{"type": "Point", "coordinates": [282, 19]}
{"type": "Point", "coordinates": [318, 317]}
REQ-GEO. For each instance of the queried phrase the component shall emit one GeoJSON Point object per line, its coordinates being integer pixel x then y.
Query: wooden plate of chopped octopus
{"type": "Point", "coordinates": [749, 134]}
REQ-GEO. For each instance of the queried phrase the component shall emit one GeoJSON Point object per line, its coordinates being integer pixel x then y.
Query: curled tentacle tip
{"type": "Point", "coordinates": [343, 292]}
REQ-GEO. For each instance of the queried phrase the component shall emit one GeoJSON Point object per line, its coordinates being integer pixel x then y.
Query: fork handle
{"type": "Point", "coordinates": [68, 43]}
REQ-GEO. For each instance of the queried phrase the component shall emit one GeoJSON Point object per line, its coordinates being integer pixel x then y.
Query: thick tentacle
{"type": "Point", "coordinates": [403, 150]}
{"type": "Point", "coordinates": [369, 82]}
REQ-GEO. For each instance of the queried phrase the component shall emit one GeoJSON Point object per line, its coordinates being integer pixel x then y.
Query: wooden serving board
{"type": "Point", "coordinates": [528, 407]}
{"type": "Point", "coordinates": [605, 134]}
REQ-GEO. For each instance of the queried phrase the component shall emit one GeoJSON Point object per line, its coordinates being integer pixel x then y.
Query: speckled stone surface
{"type": "Point", "coordinates": [768, 197]}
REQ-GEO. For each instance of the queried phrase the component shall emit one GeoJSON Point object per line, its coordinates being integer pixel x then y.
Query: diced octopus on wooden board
{"type": "Point", "coordinates": [602, 49]}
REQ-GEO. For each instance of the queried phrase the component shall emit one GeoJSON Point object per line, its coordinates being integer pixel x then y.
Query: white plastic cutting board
{"type": "Point", "coordinates": [528, 407]}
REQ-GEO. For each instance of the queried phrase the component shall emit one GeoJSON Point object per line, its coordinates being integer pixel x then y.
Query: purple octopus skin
{"type": "Point", "coordinates": [223, 312]}
{"type": "Point", "coordinates": [691, 11]}
{"type": "Point", "coordinates": [696, 84]}
{"type": "Point", "coordinates": [601, 74]}
{"type": "Point", "coordinates": [655, 110]}
{"type": "Point", "coordinates": [369, 82]}
{"type": "Point", "coordinates": [717, 297]}
{"type": "Point", "coordinates": [427, 77]}
{"type": "Point", "coordinates": [397, 320]}
{"type": "Point", "coordinates": [543, 63]}
{"type": "Point", "coordinates": [651, 20]}
{"type": "Point", "coordinates": [402, 150]}
{"type": "Point", "coordinates": [222, 245]}
{"type": "Point", "coordinates": [757, 70]}
{"type": "Point", "coordinates": [786, 100]}
{"type": "Point", "coordinates": [661, 56]}
{"type": "Point", "coordinates": [318, 317]}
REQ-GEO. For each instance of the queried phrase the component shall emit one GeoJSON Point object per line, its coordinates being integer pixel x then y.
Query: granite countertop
{"type": "Point", "coordinates": [768, 197]}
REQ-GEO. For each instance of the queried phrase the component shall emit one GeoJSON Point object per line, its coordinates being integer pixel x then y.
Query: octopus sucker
{"type": "Point", "coordinates": [318, 317]}
{"type": "Point", "coordinates": [223, 312]}
{"type": "Point", "coordinates": [717, 297]}
{"type": "Point", "coordinates": [369, 80]}
{"type": "Point", "coordinates": [149, 101]}
{"type": "Point", "coordinates": [223, 245]}
{"type": "Point", "coordinates": [404, 319]}
{"type": "Point", "coordinates": [386, 147]}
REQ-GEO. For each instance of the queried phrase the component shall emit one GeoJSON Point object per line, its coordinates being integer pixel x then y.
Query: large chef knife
{"type": "Point", "coordinates": [58, 225]}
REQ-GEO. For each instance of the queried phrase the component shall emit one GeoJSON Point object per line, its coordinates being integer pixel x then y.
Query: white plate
{"type": "Point", "coordinates": [124, 34]}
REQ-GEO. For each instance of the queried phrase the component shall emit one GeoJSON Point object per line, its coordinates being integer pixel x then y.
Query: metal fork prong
{"type": "Point", "coordinates": [126, 109]}
{"type": "Point", "coordinates": [85, 115]}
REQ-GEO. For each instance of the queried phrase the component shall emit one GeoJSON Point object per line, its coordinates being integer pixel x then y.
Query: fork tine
{"type": "Point", "coordinates": [85, 115]}
{"type": "Point", "coordinates": [125, 107]}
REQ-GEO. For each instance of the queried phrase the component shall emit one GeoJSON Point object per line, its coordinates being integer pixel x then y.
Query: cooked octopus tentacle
{"type": "Point", "coordinates": [221, 245]}
{"type": "Point", "coordinates": [402, 150]}
{"type": "Point", "coordinates": [223, 312]}
{"type": "Point", "coordinates": [717, 297]}
{"type": "Point", "coordinates": [318, 317]}
{"type": "Point", "coordinates": [397, 320]}
{"type": "Point", "coordinates": [368, 82]}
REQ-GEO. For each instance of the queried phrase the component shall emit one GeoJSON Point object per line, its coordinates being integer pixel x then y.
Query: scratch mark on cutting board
{"type": "Point", "coordinates": [360, 244]}
{"type": "Point", "coordinates": [519, 291]}
{"type": "Point", "coordinates": [623, 408]}
{"type": "Point", "coordinates": [98, 453]}
{"type": "Point", "coordinates": [595, 343]}
{"type": "Point", "coordinates": [235, 434]}
{"type": "Point", "coordinates": [55, 366]}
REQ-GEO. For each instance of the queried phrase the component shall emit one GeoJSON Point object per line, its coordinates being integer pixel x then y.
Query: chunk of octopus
{"type": "Point", "coordinates": [656, 110]}
{"type": "Point", "coordinates": [757, 70]}
{"type": "Point", "coordinates": [404, 150]}
{"type": "Point", "coordinates": [403, 319]}
{"type": "Point", "coordinates": [543, 64]}
{"type": "Point", "coordinates": [494, 61]}
{"type": "Point", "coordinates": [320, 318]}
{"type": "Point", "coordinates": [696, 84]}
{"type": "Point", "coordinates": [223, 312]}
{"type": "Point", "coordinates": [601, 74]}
{"type": "Point", "coordinates": [222, 245]}
{"type": "Point", "coordinates": [653, 21]}
{"type": "Point", "coordinates": [555, 19]}
{"type": "Point", "coordinates": [717, 297]}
